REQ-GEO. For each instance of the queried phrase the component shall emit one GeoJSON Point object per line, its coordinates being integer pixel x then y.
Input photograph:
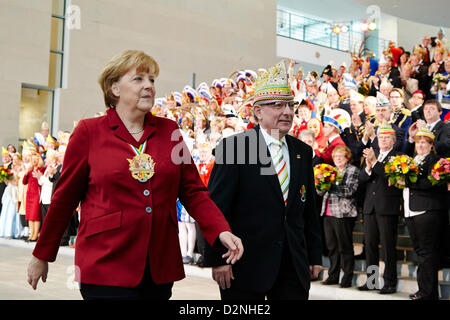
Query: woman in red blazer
{"type": "Point", "coordinates": [127, 169]}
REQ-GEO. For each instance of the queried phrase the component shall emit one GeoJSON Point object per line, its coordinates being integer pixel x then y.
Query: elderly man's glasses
{"type": "Point", "coordinates": [281, 105]}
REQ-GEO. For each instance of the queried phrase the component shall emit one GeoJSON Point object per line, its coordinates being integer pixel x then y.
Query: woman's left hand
{"type": "Point", "coordinates": [234, 246]}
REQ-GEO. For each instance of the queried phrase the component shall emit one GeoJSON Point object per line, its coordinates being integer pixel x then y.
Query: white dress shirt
{"type": "Point", "coordinates": [432, 125]}
{"type": "Point", "coordinates": [380, 159]}
{"type": "Point", "coordinates": [47, 188]}
{"type": "Point", "coordinates": [408, 212]}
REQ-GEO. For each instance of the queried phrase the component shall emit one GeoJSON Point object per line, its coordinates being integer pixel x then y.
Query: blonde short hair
{"type": "Point", "coordinates": [345, 150]}
{"type": "Point", "coordinates": [120, 65]}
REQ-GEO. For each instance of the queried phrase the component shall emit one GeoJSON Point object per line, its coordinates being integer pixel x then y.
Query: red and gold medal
{"type": "Point", "coordinates": [142, 166]}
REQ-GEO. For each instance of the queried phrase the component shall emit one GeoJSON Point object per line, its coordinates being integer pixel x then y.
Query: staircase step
{"type": "Point", "coordinates": [406, 271]}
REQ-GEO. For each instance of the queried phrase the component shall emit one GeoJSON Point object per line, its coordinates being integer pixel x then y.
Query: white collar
{"type": "Point", "coordinates": [432, 125]}
{"type": "Point", "coordinates": [332, 138]}
{"type": "Point", "coordinates": [269, 139]}
{"type": "Point", "coordinates": [419, 159]}
{"type": "Point", "coordinates": [385, 153]}
{"type": "Point", "coordinates": [416, 108]}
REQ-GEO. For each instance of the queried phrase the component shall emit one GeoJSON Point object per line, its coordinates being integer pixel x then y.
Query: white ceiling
{"type": "Point", "coordinates": [432, 12]}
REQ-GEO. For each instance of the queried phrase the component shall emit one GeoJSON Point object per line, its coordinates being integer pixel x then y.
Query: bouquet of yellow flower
{"type": "Point", "coordinates": [324, 176]}
{"type": "Point", "coordinates": [401, 169]}
{"type": "Point", "coordinates": [440, 173]}
{"type": "Point", "coordinates": [5, 174]}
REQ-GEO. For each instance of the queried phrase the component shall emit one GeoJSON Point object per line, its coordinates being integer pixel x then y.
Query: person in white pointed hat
{"type": "Point", "coordinates": [342, 69]}
{"type": "Point", "coordinates": [276, 266]}
{"type": "Point", "coordinates": [357, 107]}
{"type": "Point", "coordinates": [332, 101]}
{"type": "Point", "coordinates": [296, 82]}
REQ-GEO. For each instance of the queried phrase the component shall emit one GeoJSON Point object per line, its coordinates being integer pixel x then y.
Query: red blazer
{"type": "Point", "coordinates": [124, 222]}
{"type": "Point", "coordinates": [327, 152]}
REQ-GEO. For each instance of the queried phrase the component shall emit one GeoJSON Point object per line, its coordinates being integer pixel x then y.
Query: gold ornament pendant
{"type": "Point", "coordinates": [142, 167]}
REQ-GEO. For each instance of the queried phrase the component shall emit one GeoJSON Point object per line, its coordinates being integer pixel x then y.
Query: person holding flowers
{"type": "Point", "coordinates": [440, 173]}
{"type": "Point", "coordinates": [8, 215]}
{"type": "Point", "coordinates": [7, 162]}
{"type": "Point", "coordinates": [339, 208]}
{"type": "Point", "coordinates": [381, 210]}
{"type": "Point", "coordinates": [425, 210]}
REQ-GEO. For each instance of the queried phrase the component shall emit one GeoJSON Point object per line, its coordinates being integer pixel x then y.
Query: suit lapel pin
{"type": "Point", "coordinates": [298, 156]}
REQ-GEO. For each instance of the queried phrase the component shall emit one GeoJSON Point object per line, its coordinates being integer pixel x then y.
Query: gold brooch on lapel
{"type": "Point", "coordinates": [298, 156]}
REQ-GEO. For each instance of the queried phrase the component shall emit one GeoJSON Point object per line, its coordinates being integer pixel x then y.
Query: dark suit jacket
{"type": "Point", "coordinates": [394, 79]}
{"type": "Point", "coordinates": [351, 138]}
{"type": "Point", "coordinates": [417, 114]}
{"type": "Point", "coordinates": [55, 177]}
{"type": "Point", "coordinates": [380, 198]}
{"type": "Point", "coordinates": [424, 80]}
{"type": "Point", "coordinates": [246, 189]}
{"type": "Point", "coordinates": [317, 160]}
{"type": "Point", "coordinates": [441, 133]}
{"type": "Point", "coordinates": [423, 196]}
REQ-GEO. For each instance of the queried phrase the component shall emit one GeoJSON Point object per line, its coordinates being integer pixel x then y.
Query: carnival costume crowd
{"type": "Point", "coordinates": [359, 121]}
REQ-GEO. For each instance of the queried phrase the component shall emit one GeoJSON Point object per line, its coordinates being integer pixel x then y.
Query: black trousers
{"type": "Point", "coordinates": [382, 229]}
{"type": "Point", "coordinates": [339, 240]}
{"type": "Point", "coordinates": [146, 290]}
{"type": "Point", "coordinates": [44, 210]}
{"type": "Point", "coordinates": [287, 286]}
{"type": "Point", "coordinates": [425, 231]}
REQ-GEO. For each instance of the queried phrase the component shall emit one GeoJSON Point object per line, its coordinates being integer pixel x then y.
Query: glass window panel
{"type": "Point", "coordinates": [58, 7]}
{"type": "Point", "coordinates": [35, 107]}
{"type": "Point", "coordinates": [54, 72]}
{"type": "Point", "coordinates": [56, 34]}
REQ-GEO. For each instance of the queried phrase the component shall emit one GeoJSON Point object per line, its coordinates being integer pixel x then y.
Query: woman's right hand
{"type": "Point", "coordinates": [37, 268]}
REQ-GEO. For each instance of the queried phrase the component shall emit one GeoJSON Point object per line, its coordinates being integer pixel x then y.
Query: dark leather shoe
{"type": "Point", "coordinates": [330, 282]}
{"type": "Point", "coordinates": [416, 296]}
{"type": "Point", "coordinates": [346, 284]}
{"type": "Point", "coordinates": [388, 290]}
{"type": "Point", "coordinates": [364, 287]}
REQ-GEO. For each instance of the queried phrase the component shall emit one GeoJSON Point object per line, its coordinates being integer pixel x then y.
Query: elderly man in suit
{"type": "Point", "coordinates": [381, 210]}
{"type": "Point", "coordinates": [263, 183]}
